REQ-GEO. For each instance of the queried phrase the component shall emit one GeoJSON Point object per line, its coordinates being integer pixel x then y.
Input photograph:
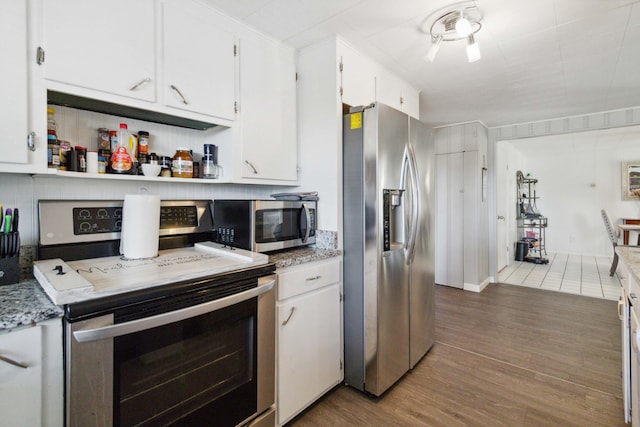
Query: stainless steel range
{"type": "Point", "coordinates": [186, 338]}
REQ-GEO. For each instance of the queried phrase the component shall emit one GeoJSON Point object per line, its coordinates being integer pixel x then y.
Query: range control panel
{"type": "Point", "coordinates": [97, 220]}
{"type": "Point", "coordinates": [78, 221]}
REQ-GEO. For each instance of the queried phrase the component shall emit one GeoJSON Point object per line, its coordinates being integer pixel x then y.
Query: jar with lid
{"type": "Point", "coordinates": [81, 158]}
{"type": "Point", "coordinates": [182, 164]}
{"type": "Point", "coordinates": [104, 142]}
{"type": "Point", "coordinates": [165, 164]}
{"type": "Point", "coordinates": [143, 142]}
{"type": "Point", "coordinates": [53, 145]}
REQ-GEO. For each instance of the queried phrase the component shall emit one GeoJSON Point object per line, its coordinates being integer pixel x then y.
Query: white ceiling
{"type": "Point", "coordinates": [541, 59]}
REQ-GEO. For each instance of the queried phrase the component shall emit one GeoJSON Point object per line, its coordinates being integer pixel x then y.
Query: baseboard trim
{"type": "Point", "coordinates": [477, 288]}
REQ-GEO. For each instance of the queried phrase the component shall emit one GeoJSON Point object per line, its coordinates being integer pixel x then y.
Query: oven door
{"type": "Point", "coordinates": [206, 364]}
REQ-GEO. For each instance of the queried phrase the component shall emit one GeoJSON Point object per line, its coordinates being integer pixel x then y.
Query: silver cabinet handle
{"type": "Point", "coordinates": [31, 141]}
{"type": "Point", "coordinates": [265, 284]}
{"type": "Point", "coordinates": [13, 362]}
{"type": "Point", "coordinates": [289, 318]}
{"type": "Point", "coordinates": [500, 217]}
{"type": "Point", "coordinates": [140, 83]}
{"type": "Point", "coordinates": [620, 308]}
{"type": "Point", "coordinates": [182, 98]}
{"type": "Point", "coordinates": [313, 278]}
{"type": "Point", "coordinates": [253, 169]}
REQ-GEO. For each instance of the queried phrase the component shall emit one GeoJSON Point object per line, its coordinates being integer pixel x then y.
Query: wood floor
{"type": "Point", "coordinates": [509, 356]}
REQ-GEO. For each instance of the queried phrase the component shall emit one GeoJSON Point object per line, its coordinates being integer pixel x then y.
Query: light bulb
{"type": "Point", "coordinates": [463, 26]}
{"type": "Point", "coordinates": [473, 50]}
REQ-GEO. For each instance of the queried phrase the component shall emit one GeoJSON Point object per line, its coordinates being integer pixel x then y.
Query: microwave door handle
{"type": "Point", "coordinates": [265, 284]}
{"type": "Point", "coordinates": [307, 214]}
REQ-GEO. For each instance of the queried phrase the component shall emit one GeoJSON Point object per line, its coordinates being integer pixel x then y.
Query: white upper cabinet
{"type": "Point", "coordinates": [267, 110]}
{"type": "Point", "coordinates": [23, 144]}
{"type": "Point", "coordinates": [199, 61]}
{"type": "Point", "coordinates": [170, 57]}
{"type": "Point", "coordinates": [357, 84]}
{"type": "Point", "coordinates": [396, 93]}
{"type": "Point", "coordinates": [106, 46]}
{"type": "Point", "coordinates": [13, 83]}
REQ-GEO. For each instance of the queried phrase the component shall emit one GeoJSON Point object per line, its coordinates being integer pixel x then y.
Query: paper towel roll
{"type": "Point", "coordinates": [140, 226]}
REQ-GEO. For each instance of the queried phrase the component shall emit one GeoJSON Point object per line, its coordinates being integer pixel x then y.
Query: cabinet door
{"type": "Point", "coordinates": [388, 89]}
{"type": "Point", "coordinates": [199, 60]}
{"type": "Point", "coordinates": [21, 388]}
{"type": "Point", "coordinates": [449, 220]}
{"type": "Point", "coordinates": [267, 110]}
{"type": "Point", "coordinates": [107, 46]}
{"type": "Point", "coordinates": [13, 83]}
{"type": "Point", "coordinates": [358, 81]}
{"type": "Point", "coordinates": [396, 93]}
{"type": "Point", "coordinates": [309, 342]}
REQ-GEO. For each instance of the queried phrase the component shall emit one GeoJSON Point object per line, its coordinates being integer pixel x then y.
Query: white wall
{"type": "Point", "coordinates": [320, 131]}
{"type": "Point", "coordinates": [579, 174]}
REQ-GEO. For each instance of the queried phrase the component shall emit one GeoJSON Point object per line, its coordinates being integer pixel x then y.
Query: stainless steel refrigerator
{"type": "Point", "coordinates": [388, 185]}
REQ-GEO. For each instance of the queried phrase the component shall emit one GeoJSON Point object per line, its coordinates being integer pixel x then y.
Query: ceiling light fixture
{"type": "Point", "coordinates": [463, 26]}
{"type": "Point", "coordinates": [473, 50]}
{"type": "Point", "coordinates": [457, 22]}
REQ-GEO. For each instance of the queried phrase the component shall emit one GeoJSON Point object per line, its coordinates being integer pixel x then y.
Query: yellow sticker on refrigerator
{"type": "Point", "coordinates": [356, 120]}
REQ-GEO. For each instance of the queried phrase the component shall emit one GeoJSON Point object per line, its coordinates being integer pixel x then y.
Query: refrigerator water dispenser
{"type": "Point", "coordinates": [393, 220]}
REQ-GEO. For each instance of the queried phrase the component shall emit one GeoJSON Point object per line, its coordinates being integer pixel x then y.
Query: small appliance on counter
{"type": "Point", "coordinates": [265, 225]}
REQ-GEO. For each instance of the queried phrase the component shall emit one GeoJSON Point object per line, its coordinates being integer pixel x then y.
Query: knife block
{"type": "Point", "coordinates": [10, 259]}
{"type": "Point", "coordinates": [10, 270]}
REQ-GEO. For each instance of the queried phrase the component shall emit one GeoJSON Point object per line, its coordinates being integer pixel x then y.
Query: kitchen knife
{"type": "Point", "coordinates": [15, 219]}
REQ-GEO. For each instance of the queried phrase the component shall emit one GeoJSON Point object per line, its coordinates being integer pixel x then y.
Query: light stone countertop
{"type": "Point", "coordinates": [26, 303]}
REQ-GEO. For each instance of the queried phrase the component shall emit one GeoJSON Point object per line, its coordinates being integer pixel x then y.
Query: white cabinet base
{"type": "Point", "coordinates": [308, 335]}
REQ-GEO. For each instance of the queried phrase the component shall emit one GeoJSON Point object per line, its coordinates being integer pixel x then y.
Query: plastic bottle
{"type": "Point", "coordinates": [53, 145]}
{"type": "Point", "coordinates": [121, 159]}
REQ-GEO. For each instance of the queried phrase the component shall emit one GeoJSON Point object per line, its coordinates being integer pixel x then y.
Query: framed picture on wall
{"type": "Point", "coordinates": [631, 180]}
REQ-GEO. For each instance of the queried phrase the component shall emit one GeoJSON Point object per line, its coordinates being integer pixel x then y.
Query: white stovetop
{"type": "Point", "coordinates": [99, 277]}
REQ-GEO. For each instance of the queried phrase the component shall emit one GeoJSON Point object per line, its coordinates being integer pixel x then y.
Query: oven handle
{"type": "Point", "coordinates": [265, 284]}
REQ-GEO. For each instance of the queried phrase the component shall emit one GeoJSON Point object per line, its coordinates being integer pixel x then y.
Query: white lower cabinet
{"type": "Point", "coordinates": [309, 335]}
{"type": "Point", "coordinates": [31, 394]}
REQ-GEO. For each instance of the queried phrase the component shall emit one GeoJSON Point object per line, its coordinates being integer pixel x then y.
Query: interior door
{"type": "Point", "coordinates": [502, 202]}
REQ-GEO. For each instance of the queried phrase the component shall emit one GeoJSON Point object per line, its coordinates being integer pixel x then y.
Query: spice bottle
{"type": "Point", "coordinates": [121, 159]}
{"type": "Point", "coordinates": [81, 158]}
{"type": "Point", "coordinates": [53, 145]}
{"type": "Point", "coordinates": [143, 142]}
{"type": "Point", "coordinates": [182, 164]}
{"type": "Point", "coordinates": [103, 139]}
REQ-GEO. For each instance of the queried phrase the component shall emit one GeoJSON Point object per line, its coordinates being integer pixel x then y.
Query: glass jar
{"type": "Point", "coordinates": [165, 163]}
{"type": "Point", "coordinates": [182, 164]}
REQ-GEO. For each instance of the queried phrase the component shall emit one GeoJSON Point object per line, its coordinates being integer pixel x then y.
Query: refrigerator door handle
{"type": "Point", "coordinates": [415, 203]}
{"type": "Point", "coordinates": [409, 173]}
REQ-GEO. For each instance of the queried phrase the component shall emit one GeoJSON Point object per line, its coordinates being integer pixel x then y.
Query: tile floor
{"type": "Point", "coordinates": [575, 274]}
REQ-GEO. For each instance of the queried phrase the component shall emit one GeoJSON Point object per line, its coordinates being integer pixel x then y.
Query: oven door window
{"type": "Point", "coordinates": [199, 371]}
{"type": "Point", "coordinates": [279, 225]}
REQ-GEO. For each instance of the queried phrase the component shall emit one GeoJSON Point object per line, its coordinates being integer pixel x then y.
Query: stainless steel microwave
{"type": "Point", "coordinates": [264, 225]}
